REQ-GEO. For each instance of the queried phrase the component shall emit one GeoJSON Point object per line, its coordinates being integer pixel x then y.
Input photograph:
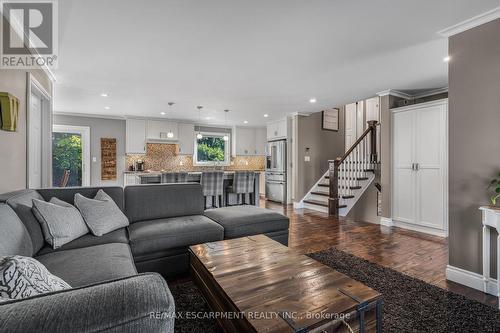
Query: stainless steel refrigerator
{"type": "Point", "coordinates": [276, 171]}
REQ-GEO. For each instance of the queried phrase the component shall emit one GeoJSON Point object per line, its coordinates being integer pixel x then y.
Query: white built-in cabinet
{"type": "Point", "coordinates": [248, 141]}
{"type": "Point", "coordinates": [136, 136]}
{"type": "Point", "coordinates": [131, 179]}
{"type": "Point", "coordinates": [277, 130]}
{"type": "Point", "coordinates": [419, 167]}
{"type": "Point", "coordinates": [186, 139]}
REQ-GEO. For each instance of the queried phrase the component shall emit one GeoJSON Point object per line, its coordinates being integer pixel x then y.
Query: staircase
{"type": "Point", "coordinates": [348, 177]}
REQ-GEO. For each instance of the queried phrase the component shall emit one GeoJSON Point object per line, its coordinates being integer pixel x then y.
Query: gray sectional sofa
{"type": "Point", "coordinates": [115, 280]}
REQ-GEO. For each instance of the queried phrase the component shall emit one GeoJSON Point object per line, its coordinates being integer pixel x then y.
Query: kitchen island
{"type": "Point", "coordinates": [154, 177]}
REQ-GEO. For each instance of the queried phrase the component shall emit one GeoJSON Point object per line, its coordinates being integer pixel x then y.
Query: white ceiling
{"type": "Point", "coordinates": [250, 56]}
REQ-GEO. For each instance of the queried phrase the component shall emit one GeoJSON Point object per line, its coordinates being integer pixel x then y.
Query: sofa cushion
{"type": "Point", "coordinates": [23, 277]}
{"type": "Point", "coordinates": [68, 193]}
{"type": "Point", "coordinates": [159, 235]}
{"type": "Point", "coordinates": [117, 236]}
{"type": "Point", "coordinates": [61, 222]}
{"type": "Point", "coordinates": [101, 214]}
{"type": "Point", "coordinates": [14, 237]}
{"type": "Point", "coordinates": [149, 202]}
{"type": "Point", "coordinates": [87, 265]}
{"type": "Point", "coordinates": [21, 202]}
{"type": "Point", "coordinates": [246, 220]}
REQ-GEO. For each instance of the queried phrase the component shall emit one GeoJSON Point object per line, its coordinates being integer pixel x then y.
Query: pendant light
{"type": "Point", "coordinates": [225, 137]}
{"type": "Point", "coordinates": [199, 136]}
{"type": "Point", "coordinates": [170, 134]}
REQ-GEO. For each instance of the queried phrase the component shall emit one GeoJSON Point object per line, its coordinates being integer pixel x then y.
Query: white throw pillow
{"type": "Point", "coordinates": [101, 214]}
{"type": "Point", "coordinates": [22, 277]}
{"type": "Point", "coordinates": [61, 222]}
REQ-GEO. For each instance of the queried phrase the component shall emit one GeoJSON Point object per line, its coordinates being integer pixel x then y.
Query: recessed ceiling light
{"type": "Point", "coordinates": [162, 113]}
{"type": "Point", "coordinates": [446, 59]}
{"type": "Point", "coordinates": [266, 115]}
{"type": "Point", "coordinates": [245, 122]}
{"type": "Point", "coordinates": [104, 95]}
{"type": "Point", "coordinates": [107, 107]}
{"type": "Point", "coordinates": [312, 100]}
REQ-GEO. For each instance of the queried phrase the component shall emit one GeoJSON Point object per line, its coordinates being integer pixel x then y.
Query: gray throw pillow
{"type": "Point", "coordinates": [22, 277]}
{"type": "Point", "coordinates": [101, 214]}
{"type": "Point", "coordinates": [61, 222]}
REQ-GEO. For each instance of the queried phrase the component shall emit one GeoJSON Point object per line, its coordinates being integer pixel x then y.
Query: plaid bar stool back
{"type": "Point", "coordinates": [212, 184]}
{"type": "Point", "coordinates": [168, 177]}
{"type": "Point", "coordinates": [243, 184]}
{"type": "Point", "coordinates": [182, 177]}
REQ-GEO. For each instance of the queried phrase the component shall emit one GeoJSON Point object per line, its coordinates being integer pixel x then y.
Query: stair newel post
{"type": "Point", "coordinates": [333, 200]}
{"type": "Point", "coordinates": [373, 141]}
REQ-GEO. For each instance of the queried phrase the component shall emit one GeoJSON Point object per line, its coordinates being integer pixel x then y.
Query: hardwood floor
{"type": "Point", "coordinates": [415, 254]}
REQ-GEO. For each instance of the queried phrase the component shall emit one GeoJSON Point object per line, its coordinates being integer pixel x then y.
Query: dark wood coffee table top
{"type": "Point", "coordinates": [259, 277]}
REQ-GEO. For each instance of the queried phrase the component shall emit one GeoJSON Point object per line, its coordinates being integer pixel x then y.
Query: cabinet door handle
{"type": "Point", "coordinates": [413, 166]}
{"type": "Point", "coordinates": [417, 166]}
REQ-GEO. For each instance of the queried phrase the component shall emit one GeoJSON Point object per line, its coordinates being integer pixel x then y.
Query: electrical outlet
{"type": "Point", "coordinates": [307, 158]}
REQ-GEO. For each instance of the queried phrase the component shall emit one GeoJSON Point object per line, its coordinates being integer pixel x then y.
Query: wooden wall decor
{"type": "Point", "coordinates": [108, 159]}
{"type": "Point", "coordinates": [330, 120]}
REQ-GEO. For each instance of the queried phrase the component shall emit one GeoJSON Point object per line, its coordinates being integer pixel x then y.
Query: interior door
{"type": "Point", "coordinates": [430, 139]}
{"type": "Point", "coordinates": [404, 205]}
{"type": "Point", "coordinates": [350, 125]}
{"type": "Point", "coordinates": [35, 142]}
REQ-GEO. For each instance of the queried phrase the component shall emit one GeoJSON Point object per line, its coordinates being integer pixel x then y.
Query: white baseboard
{"type": "Point", "coordinates": [471, 279]}
{"type": "Point", "coordinates": [298, 205]}
{"type": "Point", "coordinates": [386, 221]}
{"type": "Point", "coordinates": [389, 222]}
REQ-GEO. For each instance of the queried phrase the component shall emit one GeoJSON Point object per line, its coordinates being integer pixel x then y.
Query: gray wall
{"type": "Point", "coordinates": [13, 144]}
{"type": "Point", "coordinates": [323, 146]}
{"type": "Point", "coordinates": [474, 145]}
{"type": "Point", "coordinates": [100, 128]}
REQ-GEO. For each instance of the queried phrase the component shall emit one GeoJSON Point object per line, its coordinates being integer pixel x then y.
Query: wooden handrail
{"type": "Point", "coordinates": [334, 199]}
{"type": "Point", "coordinates": [372, 124]}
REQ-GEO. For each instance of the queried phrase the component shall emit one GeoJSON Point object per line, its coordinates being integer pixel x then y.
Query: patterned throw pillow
{"type": "Point", "coordinates": [101, 214]}
{"type": "Point", "coordinates": [22, 277]}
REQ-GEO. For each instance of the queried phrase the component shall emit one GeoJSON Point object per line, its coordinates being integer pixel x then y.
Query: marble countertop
{"type": "Point", "coordinates": [158, 173]}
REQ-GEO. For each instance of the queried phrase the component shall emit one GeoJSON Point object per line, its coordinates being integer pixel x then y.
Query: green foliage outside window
{"type": "Point", "coordinates": [67, 155]}
{"type": "Point", "coordinates": [211, 149]}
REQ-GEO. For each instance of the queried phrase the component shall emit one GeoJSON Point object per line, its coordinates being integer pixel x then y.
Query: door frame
{"type": "Point", "coordinates": [84, 131]}
{"type": "Point", "coordinates": [425, 229]}
{"type": "Point", "coordinates": [34, 86]}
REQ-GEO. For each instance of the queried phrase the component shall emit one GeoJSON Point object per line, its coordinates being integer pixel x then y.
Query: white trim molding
{"type": "Point", "coordinates": [396, 93]}
{"type": "Point", "coordinates": [386, 221]}
{"type": "Point", "coordinates": [471, 23]}
{"type": "Point", "coordinates": [471, 279]}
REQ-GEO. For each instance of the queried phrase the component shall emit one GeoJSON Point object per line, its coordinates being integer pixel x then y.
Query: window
{"type": "Point", "coordinates": [211, 149]}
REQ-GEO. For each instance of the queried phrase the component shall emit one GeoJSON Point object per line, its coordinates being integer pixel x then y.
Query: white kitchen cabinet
{"type": "Point", "coordinates": [130, 179]}
{"type": "Point", "coordinates": [245, 141]}
{"type": "Point", "coordinates": [136, 136]}
{"type": "Point", "coordinates": [277, 130]}
{"type": "Point", "coordinates": [186, 139]}
{"type": "Point", "coordinates": [260, 141]}
{"type": "Point", "coordinates": [158, 129]}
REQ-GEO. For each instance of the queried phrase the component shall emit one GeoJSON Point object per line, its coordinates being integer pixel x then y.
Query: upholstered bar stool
{"type": "Point", "coordinates": [168, 177]}
{"type": "Point", "coordinates": [182, 177]}
{"type": "Point", "coordinates": [212, 184]}
{"type": "Point", "coordinates": [243, 184]}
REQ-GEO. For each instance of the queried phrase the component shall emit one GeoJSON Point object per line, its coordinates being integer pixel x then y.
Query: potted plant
{"type": "Point", "coordinates": [495, 186]}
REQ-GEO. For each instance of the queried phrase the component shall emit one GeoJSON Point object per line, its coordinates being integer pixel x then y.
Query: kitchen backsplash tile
{"type": "Point", "coordinates": [165, 157]}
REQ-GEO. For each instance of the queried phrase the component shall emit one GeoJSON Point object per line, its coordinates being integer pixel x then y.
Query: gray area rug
{"type": "Point", "coordinates": [410, 305]}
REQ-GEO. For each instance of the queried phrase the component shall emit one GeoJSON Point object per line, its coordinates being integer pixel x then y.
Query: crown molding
{"type": "Point", "coordinates": [471, 23]}
{"type": "Point", "coordinates": [393, 92]}
{"type": "Point", "coordinates": [431, 92]}
{"type": "Point", "coordinates": [88, 115]}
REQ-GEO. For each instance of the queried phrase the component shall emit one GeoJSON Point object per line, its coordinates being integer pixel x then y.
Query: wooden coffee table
{"type": "Point", "coordinates": [255, 284]}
